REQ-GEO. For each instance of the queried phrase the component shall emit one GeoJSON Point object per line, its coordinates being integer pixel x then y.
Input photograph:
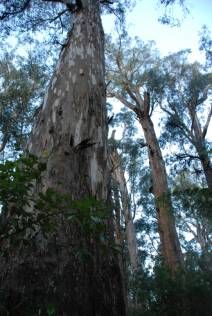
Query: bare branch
{"type": "Point", "coordinates": [186, 155]}
{"type": "Point", "coordinates": [4, 142]}
{"type": "Point", "coordinates": [205, 129]}
{"type": "Point", "coordinates": [17, 9]}
{"type": "Point", "coordinates": [191, 230]}
{"type": "Point", "coordinates": [165, 110]}
{"type": "Point", "coordinates": [106, 2]}
{"type": "Point", "coordinates": [123, 100]}
{"type": "Point", "coordinates": [58, 17]}
{"type": "Point", "coordinates": [205, 94]}
{"type": "Point", "coordinates": [131, 94]}
{"type": "Point", "coordinates": [73, 7]}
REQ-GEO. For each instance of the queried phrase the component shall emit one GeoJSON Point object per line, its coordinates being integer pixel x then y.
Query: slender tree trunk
{"type": "Point", "coordinates": [168, 236]}
{"type": "Point", "coordinates": [119, 236]}
{"type": "Point", "coordinates": [199, 143]}
{"type": "Point", "coordinates": [119, 178]}
{"type": "Point", "coordinates": [70, 135]}
{"type": "Point", "coordinates": [205, 161]}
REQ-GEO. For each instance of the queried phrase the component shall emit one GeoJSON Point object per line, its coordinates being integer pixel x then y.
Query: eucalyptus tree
{"type": "Point", "coordinates": [136, 83]}
{"type": "Point", "coordinates": [131, 179]}
{"type": "Point", "coordinates": [22, 85]}
{"type": "Point", "coordinates": [123, 210]}
{"type": "Point", "coordinates": [193, 218]}
{"type": "Point", "coordinates": [187, 91]}
{"type": "Point", "coordinates": [124, 161]}
{"type": "Point", "coordinates": [70, 136]}
{"type": "Point", "coordinates": [193, 215]}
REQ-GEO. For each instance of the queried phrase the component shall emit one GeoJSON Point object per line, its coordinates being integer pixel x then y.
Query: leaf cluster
{"type": "Point", "coordinates": [26, 214]}
{"type": "Point", "coordinates": [22, 83]}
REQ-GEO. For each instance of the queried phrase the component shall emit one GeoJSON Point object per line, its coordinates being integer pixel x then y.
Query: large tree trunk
{"type": "Point", "coordinates": [170, 245]}
{"type": "Point", "coordinates": [70, 135]}
{"type": "Point", "coordinates": [168, 236]}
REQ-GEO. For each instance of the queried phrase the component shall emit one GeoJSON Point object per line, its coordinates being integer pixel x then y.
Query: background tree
{"type": "Point", "coordinates": [188, 108]}
{"type": "Point", "coordinates": [22, 85]}
{"type": "Point", "coordinates": [193, 218]}
{"type": "Point", "coordinates": [129, 69]}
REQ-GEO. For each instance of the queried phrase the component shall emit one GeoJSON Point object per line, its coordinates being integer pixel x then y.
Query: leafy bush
{"type": "Point", "coordinates": [188, 293]}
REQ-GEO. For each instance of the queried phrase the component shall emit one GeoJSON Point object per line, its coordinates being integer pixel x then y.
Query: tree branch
{"type": "Point", "coordinates": [123, 100]}
{"type": "Point", "coordinates": [185, 155]}
{"type": "Point", "coordinates": [205, 94]}
{"type": "Point", "coordinates": [17, 9]}
{"type": "Point", "coordinates": [165, 110]}
{"type": "Point", "coordinates": [205, 129]}
{"type": "Point", "coordinates": [191, 230]}
{"type": "Point", "coordinates": [184, 129]}
{"type": "Point", "coordinates": [133, 97]}
{"type": "Point", "coordinates": [4, 142]}
{"type": "Point", "coordinates": [107, 2]}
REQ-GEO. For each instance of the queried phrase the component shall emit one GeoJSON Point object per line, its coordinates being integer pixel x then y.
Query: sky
{"type": "Point", "coordinates": [143, 22]}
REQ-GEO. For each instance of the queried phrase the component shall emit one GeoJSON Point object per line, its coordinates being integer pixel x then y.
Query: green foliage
{"type": "Point", "coordinates": [51, 310]}
{"type": "Point", "coordinates": [22, 83]}
{"type": "Point", "coordinates": [170, 18]}
{"type": "Point", "coordinates": [186, 96]}
{"type": "Point", "coordinates": [132, 64]}
{"type": "Point", "coordinates": [16, 179]}
{"type": "Point", "coordinates": [55, 18]}
{"type": "Point", "coordinates": [196, 198]}
{"type": "Point", "coordinates": [25, 213]}
{"type": "Point", "coordinates": [29, 221]}
{"type": "Point", "coordinates": [187, 293]}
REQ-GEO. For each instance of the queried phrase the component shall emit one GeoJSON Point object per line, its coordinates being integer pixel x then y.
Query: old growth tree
{"type": "Point", "coordinates": [135, 83]}
{"type": "Point", "coordinates": [52, 274]}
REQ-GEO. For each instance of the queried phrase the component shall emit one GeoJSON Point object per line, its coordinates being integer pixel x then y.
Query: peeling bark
{"type": "Point", "coordinates": [70, 135]}
{"type": "Point", "coordinates": [73, 112]}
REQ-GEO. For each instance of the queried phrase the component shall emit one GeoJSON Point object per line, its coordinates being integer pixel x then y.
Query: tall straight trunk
{"type": "Point", "coordinates": [70, 135]}
{"type": "Point", "coordinates": [170, 245]}
{"type": "Point", "coordinates": [119, 236]}
{"type": "Point", "coordinates": [119, 178]}
{"type": "Point", "coordinates": [168, 236]}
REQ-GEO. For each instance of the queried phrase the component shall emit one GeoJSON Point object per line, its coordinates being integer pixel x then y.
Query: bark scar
{"type": "Point", "coordinates": [84, 144]}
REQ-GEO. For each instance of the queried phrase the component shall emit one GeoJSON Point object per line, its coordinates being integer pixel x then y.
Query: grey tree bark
{"type": "Point", "coordinates": [70, 135]}
{"type": "Point", "coordinates": [198, 139]}
{"type": "Point", "coordinates": [119, 178]}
